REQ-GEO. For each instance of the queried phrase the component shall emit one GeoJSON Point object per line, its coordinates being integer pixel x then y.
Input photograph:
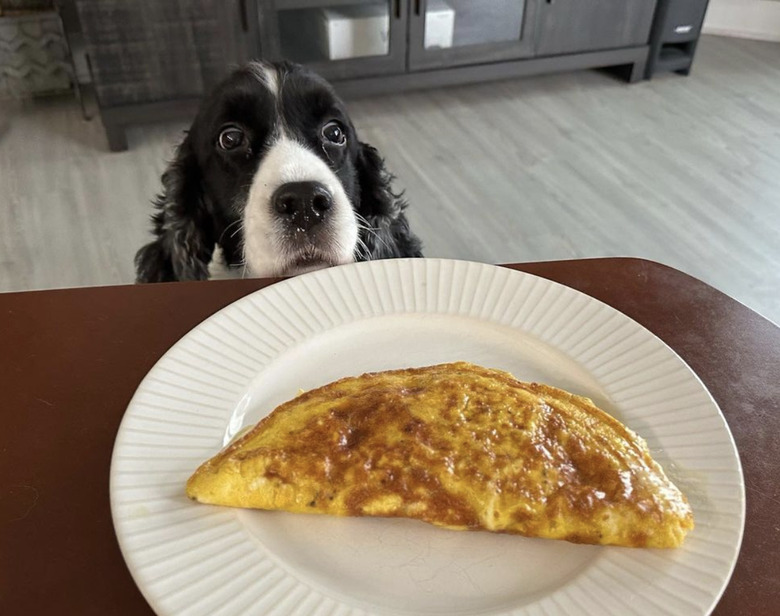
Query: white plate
{"type": "Point", "coordinates": [239, 364]}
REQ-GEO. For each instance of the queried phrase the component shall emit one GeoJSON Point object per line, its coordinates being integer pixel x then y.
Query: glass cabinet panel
{"type": "Point", "coordinates": [337, 32]}
{"type": "Point", "coordinates": [444, 33]}
{"type": "Point", "coordinates": [459, 23]}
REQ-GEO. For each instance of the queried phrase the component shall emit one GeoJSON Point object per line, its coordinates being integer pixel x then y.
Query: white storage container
{"type": "Point", "coordinates": [355, 31]}
{"type": "Point", "coordinates": [439, 24]}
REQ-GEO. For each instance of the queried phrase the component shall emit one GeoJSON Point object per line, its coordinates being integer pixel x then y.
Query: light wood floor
{"type": "Point", "coordinates": [685, 171]}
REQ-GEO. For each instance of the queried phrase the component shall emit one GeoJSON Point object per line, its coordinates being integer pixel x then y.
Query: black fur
{"type": "Point", "coordinates": [205, 190]}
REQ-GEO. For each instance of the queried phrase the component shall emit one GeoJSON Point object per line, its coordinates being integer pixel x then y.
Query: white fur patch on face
{"type": "Point", "coordinates": [271, 247]}
{"type": "Point", "coordinates": [266, 75]}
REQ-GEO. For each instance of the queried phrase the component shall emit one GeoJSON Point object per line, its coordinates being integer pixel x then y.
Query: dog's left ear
{"type": "Point", "coordinates": [388, 234]}
{"type": "Point", "coordinates": [184, 241]}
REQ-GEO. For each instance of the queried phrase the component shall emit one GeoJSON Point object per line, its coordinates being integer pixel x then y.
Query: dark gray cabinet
{"type": "Point", "coordinates": [573, 26]}
{"type": "Point", "coordinates": [153, 61]}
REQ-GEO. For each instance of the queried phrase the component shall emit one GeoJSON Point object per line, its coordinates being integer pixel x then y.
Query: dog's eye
{"type": "Point", "coordinates": [231, 138]}
{"type": "Point", "coordinates": [334, 133]}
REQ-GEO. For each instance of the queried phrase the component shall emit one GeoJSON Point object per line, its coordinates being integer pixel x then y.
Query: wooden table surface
{"type": "Point", "coordinates": [70, 360]}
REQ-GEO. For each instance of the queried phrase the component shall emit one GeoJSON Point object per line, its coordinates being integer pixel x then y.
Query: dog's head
{"type": "Point", "coordinates": [273, 172]}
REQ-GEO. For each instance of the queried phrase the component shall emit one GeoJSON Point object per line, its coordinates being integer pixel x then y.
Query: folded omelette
{"type": "Point", "coordinates": [459, 446]}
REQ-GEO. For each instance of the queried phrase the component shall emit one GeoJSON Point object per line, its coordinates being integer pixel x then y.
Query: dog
{"type": "Point", "coordinates": [273, 174]}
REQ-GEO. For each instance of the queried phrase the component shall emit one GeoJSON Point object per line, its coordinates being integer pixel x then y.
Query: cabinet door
{"type": "Point", "coordinates": [456, 32]}
{"type": "Point", "coordinates": [142, 52]}
{"type": "Point", "coordinates": [340, 39]}
{"type": "Point", "coordinates": [571, 26]}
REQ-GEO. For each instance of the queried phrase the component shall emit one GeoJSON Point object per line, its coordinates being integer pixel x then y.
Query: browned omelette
{"type": "Point", "coordinates": [459, 446]}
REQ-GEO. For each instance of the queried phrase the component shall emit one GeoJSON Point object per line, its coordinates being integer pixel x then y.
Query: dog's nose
{"type": "Point", "coordinates": [304, 204]}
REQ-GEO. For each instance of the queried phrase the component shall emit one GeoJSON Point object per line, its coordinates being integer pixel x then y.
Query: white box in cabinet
{"type": "Point", "coordinates": [355, 31]}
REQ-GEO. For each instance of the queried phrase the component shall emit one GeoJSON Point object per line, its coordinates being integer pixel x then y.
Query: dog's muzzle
{"type": "Point", "coordinates": [298, 216]}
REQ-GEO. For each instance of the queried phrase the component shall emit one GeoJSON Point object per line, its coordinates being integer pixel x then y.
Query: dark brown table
{"type": "Point", "coordinates": [71, 359]}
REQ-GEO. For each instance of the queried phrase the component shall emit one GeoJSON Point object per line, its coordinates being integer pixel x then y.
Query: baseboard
{"type": "Point", "coordinates": [746, 34]}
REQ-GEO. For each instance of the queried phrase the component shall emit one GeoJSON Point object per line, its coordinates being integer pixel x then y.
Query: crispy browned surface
{"type": "Point", "coordinates": [456, 445]}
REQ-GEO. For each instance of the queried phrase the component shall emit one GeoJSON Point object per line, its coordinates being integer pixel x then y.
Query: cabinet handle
{"type": "Point", "coordinates": [397, 9]}
{"type": "Point", "coordinates": [243, 16]}
{"type": "Point", "coordinates": [417, 7]}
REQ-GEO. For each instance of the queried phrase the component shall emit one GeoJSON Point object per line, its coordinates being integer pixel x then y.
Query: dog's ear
{"type": "Point", "coordinates": [185, 241]}
{"type": "Point", "coordinates": [384, 229]}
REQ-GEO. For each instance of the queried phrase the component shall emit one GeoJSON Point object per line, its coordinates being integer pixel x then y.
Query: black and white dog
{"type": "Point", "coordinates": [272, 172]}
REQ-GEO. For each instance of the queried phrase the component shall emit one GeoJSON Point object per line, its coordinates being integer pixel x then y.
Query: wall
{"type": "Point", "coordinates": [758, 19]}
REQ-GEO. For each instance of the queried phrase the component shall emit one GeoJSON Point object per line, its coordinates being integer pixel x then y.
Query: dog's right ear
{"type": "Point", "coordinates": [185, 240]}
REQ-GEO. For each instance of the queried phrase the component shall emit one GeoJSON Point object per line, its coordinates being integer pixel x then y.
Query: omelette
{"type": "Point", "coordinates": [459, 446]}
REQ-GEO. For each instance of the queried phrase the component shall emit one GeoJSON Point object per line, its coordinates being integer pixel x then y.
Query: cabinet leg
{"type": "Point", "coordinates": [117, 137]}
{"type": "Point", "coordinates": [637, 71]}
